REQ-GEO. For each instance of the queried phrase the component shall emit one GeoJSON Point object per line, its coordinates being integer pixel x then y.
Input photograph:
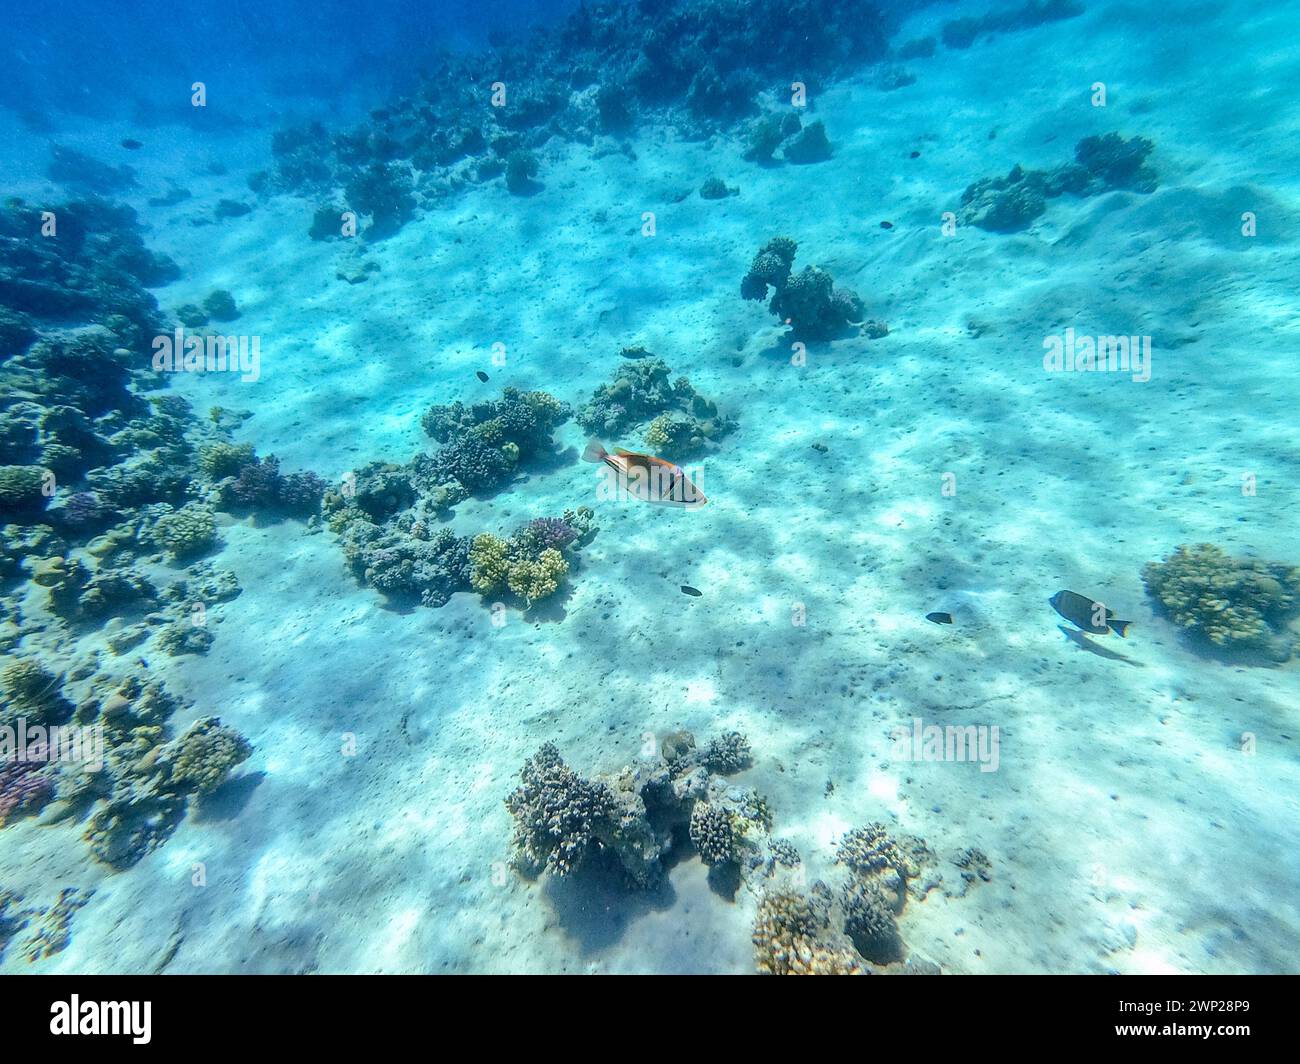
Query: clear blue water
{"type": "Point", "coordinates": [521, 487]}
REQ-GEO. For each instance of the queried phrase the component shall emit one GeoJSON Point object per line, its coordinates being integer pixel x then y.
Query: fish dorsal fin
{"type": "Point", "coordinates": [623, 452]}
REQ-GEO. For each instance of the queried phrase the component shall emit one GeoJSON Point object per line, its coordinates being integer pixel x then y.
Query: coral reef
{"type": "Point", "coordinates": [809, 302]}
{"type": "Point", "coordinates": [147, 783]}
{"type": "Point", "coordinates": [881, 869]}
{"type": "Point", "coordinates": [809, 145]}
{"type": "Point", "coordinates": [792, 936]}
{"type": "Point", "coordinates": [483, 444]}
{"type": "Point", "coordinates": [960, 33]}
{"type": "Point", "coordinates": [258, 484]}
{"type": "Point", "coordinates": [1101, 164]}
{"type": "Point", "coordinates": [185, 532]}
{"type": "Point", "coordinates": [98, 266]}
{"type": "Point", "coordinates": [1233, 603]}
{"type": "Point", "coordinates": [681, 419]}
{"type": "Point", "coordinates": [531, 563]}
{"type": "Point", "coordinates": [600, 72]}
{"type": "Point", "coordinates": [638, 815]}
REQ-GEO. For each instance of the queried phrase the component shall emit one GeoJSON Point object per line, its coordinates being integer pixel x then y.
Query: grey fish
{"type": "Point", "coordinates": [481, 375]}
{"type": "Point", "coordinates": [694, 592]}
{"type": "Point", "coordinates": [1087, 614]}
{"type": "Point", "coordinates": [939, 618]}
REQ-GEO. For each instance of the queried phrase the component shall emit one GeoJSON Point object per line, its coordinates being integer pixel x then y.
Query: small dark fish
{"type": "Point", "coordinates": [939, 618]}
{"type": "Point", "coordinates": [131, 145]}
{"type": "Point", "coordinates": [821, 448]}
{"type": "Point", "coordinates": [694, 592]}
{"type": "Point", "coordinates": [886, 225]}
{"type": "Point", "coordinates": [481, 375]}
{"type": "Point", "coordinates": [1088, 615]}
{"type": "Point", "coordinates": [915, 155]}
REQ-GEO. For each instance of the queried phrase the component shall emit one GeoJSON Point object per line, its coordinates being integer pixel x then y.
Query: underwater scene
{"type": "Point", "coordinates": [650, 486]}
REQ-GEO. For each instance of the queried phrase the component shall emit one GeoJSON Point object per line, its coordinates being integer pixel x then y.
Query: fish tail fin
{"type": "Point", "coordinates": [595, 451]}
{"type": "Point", "coordinates": [1120, 628]}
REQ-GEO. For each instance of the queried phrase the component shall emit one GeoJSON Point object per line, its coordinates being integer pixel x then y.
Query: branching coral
{"type": "Point", "coordinates": [792, 937]}
{"type": "Point", "coordinates": [726, 754]}
{"type": "Point", "coordinates": [641, 391]}
{"type": "Point", "coordinates": [223, 459]}
{"type": "Point", "coordinates": [871, 850]}
{"type": "Point", "coordinates": [531, 563]}
{"type": "Point", "coordinates": [533, 580]}
{"type": "Point", "coordinates": [558, 815]}
{"type": "Point", "coordinates": [713, 834]}
{"type": "Point", "coordinates": [489, 563]}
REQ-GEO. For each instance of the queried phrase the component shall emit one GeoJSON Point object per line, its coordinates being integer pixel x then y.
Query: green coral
{"type": "Point", "coordinates": [679, 435]}
{"type": "Point", "coordinates": [21, 487]}
{"type": "Point", "coordinates": [33, 692]}
{"type": "Point", "coordinates": [220, 460]}
{"type": "Point", "coordinates": [186, 531]}
{"type": "Point", "coordinates": [539, 579]}
{"type": "Point", "coordinates": [1232, 602]}
{"type": "Point", "coordinates": [203, 757]}
{"type": "Point", "coordinates": [489, 563]}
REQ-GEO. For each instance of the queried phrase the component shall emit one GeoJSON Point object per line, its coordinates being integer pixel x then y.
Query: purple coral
{"type": "Point", "coordinates": [301, 493]}
{"type": "Point", "coordinates": [261, 486]}
{"type": "Point", "coordinates": [23, 786]}
{"type": "Point", "coordinates": [258, 483]}
{"type": "Point", "coordinates": [86, 509]}
{"type": "Point", "coordinates": [547, 532]}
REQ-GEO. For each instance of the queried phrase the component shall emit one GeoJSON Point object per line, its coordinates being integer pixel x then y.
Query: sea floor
{"type": "Point", "coordinates": [1126, 828]}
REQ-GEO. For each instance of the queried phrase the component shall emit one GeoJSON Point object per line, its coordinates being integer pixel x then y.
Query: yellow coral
{"type": "Point", "coordinates": [789, 939]}
{"type": "Point", "coordinates": [534, 580]}
{"type": "Point", "coordinates": [656, 435]}
{"type": "Point", "coordinates": [489, 563]}
{"type": "Point", "coordinates": [1231, 601]}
